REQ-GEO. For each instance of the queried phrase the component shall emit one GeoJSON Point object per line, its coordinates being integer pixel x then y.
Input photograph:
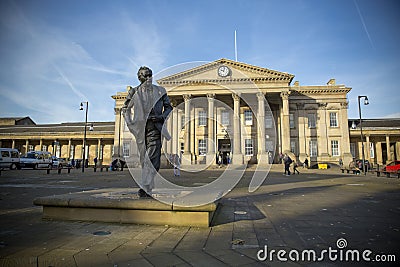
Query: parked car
{"type": "Point", "coordinates": [393, 166]}
{"type": "Point", "coordinates": [36, 159]}
{"type": "Point", "coordinates": [9, 158]}
{"type": "Point", "coordinates": [59, 162]}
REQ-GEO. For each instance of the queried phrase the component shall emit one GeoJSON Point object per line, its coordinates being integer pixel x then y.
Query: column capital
{"type": "Point", "coordinates": [344, 105]}
{"type": "Point", "coordinates": [322, 105]}
{"type": "Point", "coordinates": [187, 97]}
{"type": "Point", "coordinates": [173, 103]}
{"type": "Point", "coordinates": [210, 96]}
{"type": "Point", "coordinates": [285, 95]}
{"type": "Point", "coordinates": [260, 96]}
{"type": "Point", "coordinates": [236, 96]}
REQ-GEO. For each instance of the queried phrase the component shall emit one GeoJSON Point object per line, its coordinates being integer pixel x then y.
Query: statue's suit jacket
{"type": "Point", "coordinates": [162, 107]}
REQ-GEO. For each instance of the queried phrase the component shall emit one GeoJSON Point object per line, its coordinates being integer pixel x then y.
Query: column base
{"type": "Point", "coordinates": [263, 159]}
{"type": "Point", "coordinates": [237, 159]}
{"type": "Point", "coordinates": [302, 157]}
{"type": "Point", "coordinates": [186, 159]}
{"type": "Point", "coordinates": [211, 159]}
{"type": "Point", "coordinates": [347, 158]}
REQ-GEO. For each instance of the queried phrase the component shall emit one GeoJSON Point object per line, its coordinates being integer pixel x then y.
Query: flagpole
{"type": "Point", "coordinates": [235, 48]}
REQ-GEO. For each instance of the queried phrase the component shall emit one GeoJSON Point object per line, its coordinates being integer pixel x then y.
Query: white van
{"type": "Point", "coordinates": [9, 158]}
{"type": "Point", "coordinates": [36, 159]}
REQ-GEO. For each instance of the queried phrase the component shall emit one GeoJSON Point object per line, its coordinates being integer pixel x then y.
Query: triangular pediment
{"type": "Point", "coordinates": [238, 72]}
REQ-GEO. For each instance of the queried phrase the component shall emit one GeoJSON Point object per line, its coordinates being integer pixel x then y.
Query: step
{"type": "Point", "coordinates": [123, 205]}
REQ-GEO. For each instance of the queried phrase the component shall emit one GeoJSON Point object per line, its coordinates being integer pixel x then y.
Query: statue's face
{"type": "Point", "coordinates": [144, 75]}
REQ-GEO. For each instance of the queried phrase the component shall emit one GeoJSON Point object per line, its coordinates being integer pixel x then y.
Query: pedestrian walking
{"type": "Point", "coordinates": [287, 161]}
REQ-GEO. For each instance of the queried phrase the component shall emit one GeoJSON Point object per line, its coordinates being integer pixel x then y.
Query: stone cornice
{"type": "Point", "coordinates": [319, 90]}
{"type": "Point", "coordinates": [223, 81]}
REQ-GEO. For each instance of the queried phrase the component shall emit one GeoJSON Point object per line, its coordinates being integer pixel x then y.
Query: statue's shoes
{"type": "Point", "coordinates": [143, 194]}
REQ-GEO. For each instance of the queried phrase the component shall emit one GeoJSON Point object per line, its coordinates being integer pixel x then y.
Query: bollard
{"type": "Point", "coordinates": [69, 170]}
{"type": "Point", "coordinates": [48, 171]}
{"type": "Point", "coordinates": [94, 168]}
{"type": "Point", "coordinates": [59, 170]}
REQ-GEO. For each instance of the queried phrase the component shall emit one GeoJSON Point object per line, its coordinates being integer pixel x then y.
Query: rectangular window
{"type": "Point", "coordinates": [268, 121]}
{"type": "Point", "coordinates": [202, 118]}
{"type": "Point", "coordinates": [202, 147]}
{"type": "Point", "coordinates": [126, 148]}
{"type": "Point", "coordinates": [371, 150]}
{"type": "Point", "coordinates": [335, 147]}
{"type": "Point", "coordinates": [248, 147]}
{"type": "Point", "coordinates": [31, 148]}
{"type": "Point", "coordinates": [44, 148]}
{"type": "Point", "coordinates": [313, 148]}
{"type": "Point", "coordinates": [225, 117]}
{"type": "Point", "coordinates": [248, 117]}
{"type": "Point", "coordinates": [333, 119]}
{"type": "Point", "coordinates": [293, 146]}
{"type": "Point", "coordinates": [311, 120]}
{"type": "Point", "coordinates": [353, 149]}
{"type": "Point", "coordinates": [291, 120]}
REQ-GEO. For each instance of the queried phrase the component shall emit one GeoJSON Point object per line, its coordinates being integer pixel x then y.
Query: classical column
{"type": "Point", "coordinates": [192, 124]}
{"type": "Point", "coordinates": [211, 133]}
{"type": "Point", "coordinates": [367, 148]}
{"type": "Point", "coordinates": [378, 147]}
{"type": "Point", "coordinates": [322, 128]}
{"type": "Point", "coordinates": [285, 124]}
{"type": "Point", "coordinates": [26, 146]}
{"type": "Point", "coordinates": [237, 157]}
{"type": "Point", "coordinates": [69, 149]}
{"type": "Point", "coordinates": [98, 149]}
{"type": "Point", "coordinates": [186, 159]}
{"type": "Point", "coordinates": [302, 131]}
{"type": "Point", "coordinates": [40, 145]}
{"type": "Point", "coordinates": [177, 128]}
{"type": "Point", "coordinates": [13, 144]}
{"type": "Point", "coordinates": [344, 130]}
{"type": "Point", "coordinates": [389, 158]}
{"type": "Point", "coordinates": [262, 157]}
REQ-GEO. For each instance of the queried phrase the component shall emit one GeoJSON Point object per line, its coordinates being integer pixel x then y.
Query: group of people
{"type": "Point", "coordinates": [287, 161]}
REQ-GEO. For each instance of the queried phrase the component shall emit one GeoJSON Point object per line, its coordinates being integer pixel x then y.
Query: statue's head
{"type": "Point", "coordinates": [144, 74]}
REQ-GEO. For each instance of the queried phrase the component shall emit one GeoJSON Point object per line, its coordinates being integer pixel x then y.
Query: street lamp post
{"type": "Point", "coordinates": [84, 135]}
{"type": "Point", "coordinates": [362, 137]}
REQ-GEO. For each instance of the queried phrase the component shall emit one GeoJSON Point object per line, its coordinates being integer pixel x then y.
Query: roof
{"type": "Point", "coordinates": [16, 121]}
{"type": "Point", "coordinates": [57, 128]}
{"type": "Point", "coordinates": [375, 123]}
{"type": "Point", "coordinates": [260, 74]}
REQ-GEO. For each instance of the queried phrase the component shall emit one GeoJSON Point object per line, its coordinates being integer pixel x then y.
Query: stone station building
{"type": "Point", "coordinates": [245, 113]}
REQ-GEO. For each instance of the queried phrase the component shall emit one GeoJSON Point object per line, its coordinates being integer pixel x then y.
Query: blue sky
{"type": "Point", "coordinates": [55, 54]}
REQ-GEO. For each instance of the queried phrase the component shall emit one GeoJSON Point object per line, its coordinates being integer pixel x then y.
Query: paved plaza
{"type": "Point", "coordinates": [318, 210]}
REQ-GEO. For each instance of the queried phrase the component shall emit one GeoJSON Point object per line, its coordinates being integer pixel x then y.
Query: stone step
{"type": "Point", "coordinates": [123, 205]}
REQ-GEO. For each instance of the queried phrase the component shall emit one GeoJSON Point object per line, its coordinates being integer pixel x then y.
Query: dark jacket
{"type": "Point", "coordinates": [161, 109]}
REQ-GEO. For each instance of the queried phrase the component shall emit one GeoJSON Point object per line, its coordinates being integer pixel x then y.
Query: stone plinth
{"type": "Point", "coordinates": [123, 206]}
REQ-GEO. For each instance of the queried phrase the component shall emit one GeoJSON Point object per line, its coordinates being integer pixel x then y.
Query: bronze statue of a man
{"type": "Point", "coordinates": [151, 107]}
